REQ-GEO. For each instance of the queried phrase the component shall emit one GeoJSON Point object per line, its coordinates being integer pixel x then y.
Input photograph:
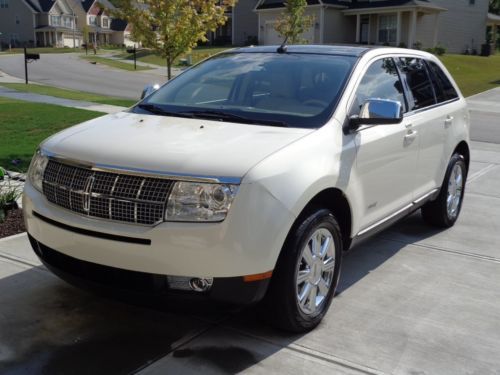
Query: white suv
{"type": "Point", "coordinates": [248, 176]}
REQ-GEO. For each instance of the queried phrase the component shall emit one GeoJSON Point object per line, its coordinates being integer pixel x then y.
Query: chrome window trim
{"type": "Point", "coordinates": [97, 167]}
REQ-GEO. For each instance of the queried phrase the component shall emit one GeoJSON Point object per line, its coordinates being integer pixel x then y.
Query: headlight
{"type": "Point", "coordinates": [193, 201]}
{"type": "Point", "coordinates": [37, 169]}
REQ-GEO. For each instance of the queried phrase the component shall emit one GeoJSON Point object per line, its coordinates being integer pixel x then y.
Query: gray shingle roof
{"type": "Point", "coordinates": [41, 5]}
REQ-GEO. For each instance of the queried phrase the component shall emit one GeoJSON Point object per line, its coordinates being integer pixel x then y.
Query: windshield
{"type": "Point", "coordinates": [295, 90]}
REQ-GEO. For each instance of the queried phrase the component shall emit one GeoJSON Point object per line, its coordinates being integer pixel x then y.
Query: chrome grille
{"type": "Point", "coordinates": [112, 196]}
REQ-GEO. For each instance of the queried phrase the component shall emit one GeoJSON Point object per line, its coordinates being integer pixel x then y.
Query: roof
{"type": "Point", "coordinates": [41, 5]}
{"type": "Point", "coordinates": [87, 4]}
{"type": "Point", "coordinates": [118, 25]}
{"type": "Point", "coordinates": [353, 4]}
{"type": "Point", "coordinates": [344, 50]}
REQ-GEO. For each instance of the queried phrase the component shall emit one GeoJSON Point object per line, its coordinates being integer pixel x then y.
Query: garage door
{"type": "Point", "coordinates": [271, 36]}
{"type": "Point", "coordinates": [68, 41]}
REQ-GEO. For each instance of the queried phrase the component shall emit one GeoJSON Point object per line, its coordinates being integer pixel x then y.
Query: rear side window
{"type": "Point", "coordinates": [443, 86]}
{"type": "Point", "coordinates": [418, 81]}
{"type": "Point", "coordinates": [381, 81]}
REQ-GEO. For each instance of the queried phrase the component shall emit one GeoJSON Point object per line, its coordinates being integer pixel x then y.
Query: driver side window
{"type": "Point", "coordinates": [381, 81]}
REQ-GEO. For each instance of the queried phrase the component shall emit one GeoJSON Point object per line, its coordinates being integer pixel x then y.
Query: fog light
{"type": "Point", "coordinates": [196, 284]}
{"type": "Point", "coordinates": [201, 285]}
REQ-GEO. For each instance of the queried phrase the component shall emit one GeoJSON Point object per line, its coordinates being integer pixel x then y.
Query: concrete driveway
{"type": "Point", "coordinates": [414, 300]}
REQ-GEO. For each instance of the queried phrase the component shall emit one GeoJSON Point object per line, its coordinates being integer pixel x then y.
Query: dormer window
{"type": "Point", "coordinates": [93, 20]}
{"type": "Point", "coordinates": [105, 22]}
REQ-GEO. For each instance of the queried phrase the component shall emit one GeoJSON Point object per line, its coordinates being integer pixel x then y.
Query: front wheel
{"type": "Point", "coordinates": [307, 273]}
{"type": "Point", "coordinates": [443, 212]}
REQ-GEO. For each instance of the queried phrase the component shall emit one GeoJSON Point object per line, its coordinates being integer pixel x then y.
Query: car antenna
{"type": "Point", "coordinates": [283, 47]}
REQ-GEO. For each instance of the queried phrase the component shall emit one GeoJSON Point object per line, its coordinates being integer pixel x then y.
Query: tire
{"type": "Point", "coordinates": [443, 212]}
{"type": "Point", "coordinates": [319, 271]}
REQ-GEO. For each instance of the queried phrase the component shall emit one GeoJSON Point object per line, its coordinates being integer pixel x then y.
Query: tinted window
{"type": "Point", "coordinates": [417, 79]}
{"type": "Point", "coordinates": [300, 90]}
{"type": "Point", "coordinates": [381, 81]}
{"type": "Point", "coordinates": [444, 88]}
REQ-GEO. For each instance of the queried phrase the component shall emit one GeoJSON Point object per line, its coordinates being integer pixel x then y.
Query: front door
{"type": "Point", "coordinates": [386, 154]}
{"type": "Point", "coordinates": [365, 29]}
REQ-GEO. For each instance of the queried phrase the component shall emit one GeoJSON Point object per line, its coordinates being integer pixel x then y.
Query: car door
{"type": "Point", "coordinates": [430, 114]}
{"type": "Point", "coordinates": [386, 154]}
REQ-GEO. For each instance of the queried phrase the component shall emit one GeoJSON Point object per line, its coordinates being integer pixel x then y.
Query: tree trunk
{"type": "Point", "coordinates": [169, 68]}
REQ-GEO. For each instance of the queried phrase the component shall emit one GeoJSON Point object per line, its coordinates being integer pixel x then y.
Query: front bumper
{"type": "Point", "coordinates": [248, 242]}
{"type": "Point", "coordinates": [123, 283]}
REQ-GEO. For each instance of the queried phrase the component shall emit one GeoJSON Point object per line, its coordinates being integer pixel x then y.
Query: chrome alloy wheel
{"type": "Point", "coordinates": [455, 187]}
{"type": "Point", "coordinates": [315, 270]}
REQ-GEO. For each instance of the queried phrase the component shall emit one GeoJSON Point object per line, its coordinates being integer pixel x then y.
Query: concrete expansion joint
{"type": "Point", "coordinates": [312, 353]}
{"type": "Point", "coordinates": [445, 250]}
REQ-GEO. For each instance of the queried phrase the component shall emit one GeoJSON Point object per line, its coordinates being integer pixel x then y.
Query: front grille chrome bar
{"type": "Point", "coordinates": [105, 195]}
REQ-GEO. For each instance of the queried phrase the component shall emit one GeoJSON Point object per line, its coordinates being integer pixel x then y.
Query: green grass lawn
{"type": "Point", "coordinates": [113, 63]}
{"type": "Point", "coordinates": [70, 94]}
{"type": "Point", "coordinates": [197, 54]}
{"type": "Point", "coordinates": [23, 125]}
{"type": "Point", "coordinates": [42, 50]}
{"type": "Point", "coordinates": [474, 74]}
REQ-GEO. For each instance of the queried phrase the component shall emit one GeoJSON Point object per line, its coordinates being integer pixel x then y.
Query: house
{"type": "Point", "coordinates": [94, 20]}
{"type": "Point", "coordinates": [457, 25]}
{"type": "Point", "coordinates": [241, 25]}
{"type": "Point", "coordinates": [38, 22]}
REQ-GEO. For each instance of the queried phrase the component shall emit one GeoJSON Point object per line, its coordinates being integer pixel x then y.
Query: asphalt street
{"type": "Point", "coordinates": [67, 70]}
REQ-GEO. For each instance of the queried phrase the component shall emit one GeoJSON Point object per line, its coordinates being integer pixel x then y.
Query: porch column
{"type": "Point", "coordinates": [358, 28]}
{"type": "Point", "coordinates": [44, 39]}
{"type": "Point", "coordinates": [413, 29]}
{"type": "Point", "coordinates": [436, 25]}
{"type": "Point", "coordinates": [398, 29]}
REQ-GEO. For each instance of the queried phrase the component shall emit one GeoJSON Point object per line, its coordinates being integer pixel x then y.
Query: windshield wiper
{"type": "Point", "coordinates": [225, 116]}
{"type": "Point", "coordinates": [157, 110]}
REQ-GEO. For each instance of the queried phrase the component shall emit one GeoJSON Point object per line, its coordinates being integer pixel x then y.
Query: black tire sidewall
{"type": "Point", "coordinates": [456, 159]}
{"type": "Point", "coordinates": [284, 284]}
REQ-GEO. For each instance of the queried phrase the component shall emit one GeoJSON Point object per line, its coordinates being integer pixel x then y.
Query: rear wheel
{"type": "Point", "coordinates": [444, 211]}
{"type": "Point", "coordinates": [307, 273]}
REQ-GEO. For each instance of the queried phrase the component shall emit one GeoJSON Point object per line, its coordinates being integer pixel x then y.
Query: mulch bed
{"type": "Point", "coordinates": [13, 225]}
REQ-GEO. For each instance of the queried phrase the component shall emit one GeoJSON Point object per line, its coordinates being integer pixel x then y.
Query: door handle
{"type": "Point", "coordinates": [410, 137]}
{"type": "Point", "coordinates": [448, 122]}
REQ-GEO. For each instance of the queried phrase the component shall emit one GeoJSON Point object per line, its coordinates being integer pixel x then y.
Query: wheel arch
{"type": "Point", "coordinates": [463, 149]}
{"type": "Point", "coordinates": [335, 200]}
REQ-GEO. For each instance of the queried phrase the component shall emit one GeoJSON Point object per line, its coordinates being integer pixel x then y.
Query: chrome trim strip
{"type": "Point", "coordinates": [143, 172]}
{"type": "Point", "coordinates": [419, 200]}
{"type": "Point", "coordinates": [373, 226]}
{"type": "Point", "coordinates": [386, 219]}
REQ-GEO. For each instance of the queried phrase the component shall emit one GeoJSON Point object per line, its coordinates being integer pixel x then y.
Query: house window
{"type": "Point", "coordinates": [68, 22]}
{"type": "Point", "coordinates": [4, 4]}
{"type": "Point", "coordinates": [387, 28]}
{"type": "Point", "coordinates": [93, 20]}
{"type": "Point", "coordinates": [105, 23]}
{"type": "Point", "coordinates": [55, 20]}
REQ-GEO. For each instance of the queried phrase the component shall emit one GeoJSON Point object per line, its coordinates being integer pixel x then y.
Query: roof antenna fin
{"type": "Point", "coordinates": [283, 47]}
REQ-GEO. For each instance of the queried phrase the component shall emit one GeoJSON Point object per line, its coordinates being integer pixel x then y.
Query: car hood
{"type": "Point", "coordinates": [171, 145]}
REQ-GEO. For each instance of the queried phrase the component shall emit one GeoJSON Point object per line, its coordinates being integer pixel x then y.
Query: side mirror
{"type": "Point", "coordinates": [149, 89]}
{"type": "Point", "coordinates": [377, 112]}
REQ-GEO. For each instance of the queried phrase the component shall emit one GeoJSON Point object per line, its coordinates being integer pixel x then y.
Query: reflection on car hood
{"type": "Point", "coordinates": [171, 145]}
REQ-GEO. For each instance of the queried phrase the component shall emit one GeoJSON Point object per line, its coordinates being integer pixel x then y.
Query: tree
{"type": "Point", "coordinates": [292, 23]}
{"type": "Point", "coordinates": [172, 27]}
{"type": "Point", "coordinates": [495, 6]}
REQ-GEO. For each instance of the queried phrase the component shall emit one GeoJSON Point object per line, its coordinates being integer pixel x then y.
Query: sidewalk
{"type": "Point", "coordinates": [37, 98]}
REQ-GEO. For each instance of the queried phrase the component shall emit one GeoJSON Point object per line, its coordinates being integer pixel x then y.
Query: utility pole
{"type": "Point", "coordinates": [135, 58]}
{"type": "Point", "coordinates": [74, 26]}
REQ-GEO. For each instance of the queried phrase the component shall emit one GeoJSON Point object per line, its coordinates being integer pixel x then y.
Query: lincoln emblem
{"type": "Point", "coordinates": [87, 191]}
